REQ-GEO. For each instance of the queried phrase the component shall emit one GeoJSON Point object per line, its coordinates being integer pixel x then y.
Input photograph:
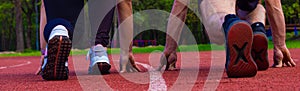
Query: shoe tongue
{"type": "Point", "coordinates": [99, 50]}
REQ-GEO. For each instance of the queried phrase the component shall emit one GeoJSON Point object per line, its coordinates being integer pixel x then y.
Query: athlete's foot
{"type": "Point", "coordinates": [282, 57]}
{"type": "Point", "coordinates": [259, 50]}
{"type": "Point", "coordinates": [127, 64]}
{"type": "Point", "coordinates": [169, 59]}
{"type": "Point", "coordinates": [239, 62]}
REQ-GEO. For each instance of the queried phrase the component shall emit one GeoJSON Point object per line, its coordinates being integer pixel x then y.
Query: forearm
{"type": "Point", "coordinates": [176, 23]}
{"type": "Point", "coordinates": [43, 22]}
{"type": "Point", "coordinates": [126, 25]}
{"type": "Point", "coordinates": [277, 22]}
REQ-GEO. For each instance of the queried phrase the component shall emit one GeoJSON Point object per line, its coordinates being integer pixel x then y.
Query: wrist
{"type": "Point", "coordinates": [279, 46]}
{"type": "Point", "coordinates": [43, 52]}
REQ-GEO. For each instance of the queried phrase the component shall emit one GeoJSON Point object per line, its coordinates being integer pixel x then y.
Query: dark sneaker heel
{"type": "Point", "coordinates": [58, 51]}
{"type": "Point", "coordinates": [259, 50]}
{"type": "Point", "coordinates": [239, 41]}
{"type": "Point", "coordinates": [100, 68]}
{"type": "Point", "coordinates": [104, 67]}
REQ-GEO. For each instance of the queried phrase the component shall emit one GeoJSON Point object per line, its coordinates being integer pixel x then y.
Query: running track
{"type": "Point", "coordinates": [18, 73]}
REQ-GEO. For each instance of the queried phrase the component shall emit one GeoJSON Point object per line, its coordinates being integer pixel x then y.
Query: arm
{"type": "Point", "coordinates": [174, 29]}
{"type": "Point", "coordinates": [276, 19]}
{"type": "Point", "coordinates": [43, 43]}
{"type": "Point", "coordinates": [43, 22]}
{"type": "Point", "coordinates": [127, 62]}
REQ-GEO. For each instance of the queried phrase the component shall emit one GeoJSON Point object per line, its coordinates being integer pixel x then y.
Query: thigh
{"type": "Point", "coordinates": [66, 9]}
{"type": "Point", "coordinates": [247, 5]}
{"type": "Point", "coordinates": [211, 7]}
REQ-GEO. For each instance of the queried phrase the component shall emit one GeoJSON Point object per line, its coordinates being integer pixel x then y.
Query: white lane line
{"type": "Point", "coordinates": [18, 65]}
{"type": "Point", "coordinates": [3, 68]}
{"type": "Point", "coordinates": [157, 82]}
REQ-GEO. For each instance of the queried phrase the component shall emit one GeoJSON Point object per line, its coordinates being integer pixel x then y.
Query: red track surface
{"type": "Point", "coordinates": [18, 73]}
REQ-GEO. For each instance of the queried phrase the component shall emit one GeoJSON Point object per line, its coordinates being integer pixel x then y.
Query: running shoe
{"type": "Point", "coordinates": [239, 62]}
{"type": "Point", "coordinates": [259, 50]}
{"type": "Point", "coordinates": [55, 63]}
{"type": "Point", "coordinates": [99, 62]}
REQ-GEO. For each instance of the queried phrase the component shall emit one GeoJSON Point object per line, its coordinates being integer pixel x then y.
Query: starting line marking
{"type": "Point", "coordinates": [18, 65]}
{"type": "Point", "coordinates": [157, 82]}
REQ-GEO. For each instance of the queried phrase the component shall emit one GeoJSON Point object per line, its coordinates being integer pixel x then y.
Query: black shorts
{"type": "Point", "coordinates": [66, 12]}
{"type": "Point", "coordinates": [65, 9]}
{"type": "Point", "coordinates": [247, 5]}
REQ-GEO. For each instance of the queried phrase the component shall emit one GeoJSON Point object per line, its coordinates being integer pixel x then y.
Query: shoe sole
{"type": "Point", "coordinates": [260, 51]}
{"type": "Point", "coordinates": [239, 41]}
{"type": "Point", "coordinates": [100, 68]}
{"type": "Point", "coordinates": [58, 52]}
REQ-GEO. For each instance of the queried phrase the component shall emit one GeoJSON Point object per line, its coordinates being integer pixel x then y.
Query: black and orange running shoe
{"type": "Point", "coordinates": [55, 64]}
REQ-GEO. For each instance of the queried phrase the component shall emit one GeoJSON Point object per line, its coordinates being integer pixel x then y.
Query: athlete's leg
{"type": "Point", "coordinates": [99, 61]}
{"type": "Point", "coordinates": [100, 16]}
{"type": "Point", "coordinates": [61, 18]}
{"type": "Point", "coordinates": [256, 18]}
{"type": "Point", "coordinates": [213, 14]}
{"type": "Point", "coordinates": [257, 15]}
{"type": "Point", "coordinates": [102, 36]}
{"type": "Point", "coordinates": [221, 23]}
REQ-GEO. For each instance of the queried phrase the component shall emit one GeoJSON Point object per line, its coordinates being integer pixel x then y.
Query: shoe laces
{"type": "Point", "coordinates": [96, 51]}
